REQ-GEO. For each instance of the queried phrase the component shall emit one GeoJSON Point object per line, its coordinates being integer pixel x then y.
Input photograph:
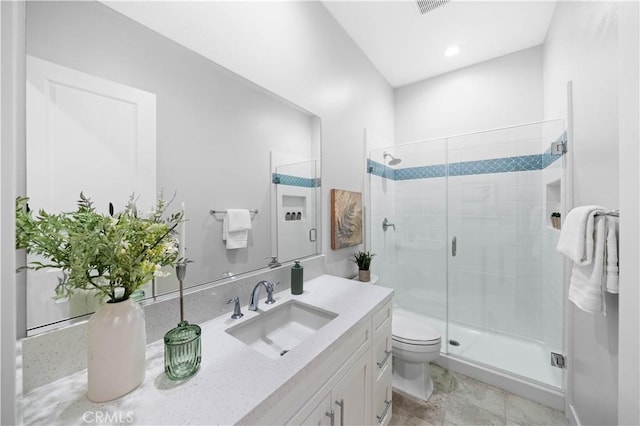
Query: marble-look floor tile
{"type": "Point", "coordinates": [431, 412]}
{"type": "Point", "coordinates": [400, 419]}
{"type": "Point", "coordinates": [442, 379]}
{"type": "Point", "coordinates": [458, 400]}
{"type": "Point", "coordinates": [521, 411]}
{"type": "Point", "coordinates": [469, 391]}
{"type": "Point", "coordinates": [461, 413]}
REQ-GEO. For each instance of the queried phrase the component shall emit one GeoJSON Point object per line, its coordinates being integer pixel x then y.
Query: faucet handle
{"type": "Point", "coordinates": [270, 287]}
{"type": "Point", "coordinates": [274, 262]}
{"type": "Point", "coordinates": [236, 308]}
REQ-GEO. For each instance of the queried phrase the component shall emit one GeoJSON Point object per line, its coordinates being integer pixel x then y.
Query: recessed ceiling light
{"type": "Point", "coordinates": [452, 50]}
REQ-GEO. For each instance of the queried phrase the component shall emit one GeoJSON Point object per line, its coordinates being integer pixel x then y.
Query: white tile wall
{"type": "Point", "coordinates": [506, 275]}
{"type": "Point", "coordinates": [495, 281]}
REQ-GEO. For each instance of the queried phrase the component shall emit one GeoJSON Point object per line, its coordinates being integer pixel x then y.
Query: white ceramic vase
{"type": "Point", "coordinates": [116, 349]}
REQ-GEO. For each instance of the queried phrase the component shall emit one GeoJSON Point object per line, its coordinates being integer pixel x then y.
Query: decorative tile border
{"type": "Point", "coordinates": [423, 172]}
{"type": "Point", "coordinates": [280, 179]}
{"type": "Point", "coordinates": [494, 165]}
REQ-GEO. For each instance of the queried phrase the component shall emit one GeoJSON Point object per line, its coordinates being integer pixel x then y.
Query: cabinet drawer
{"type": "Point", "coordinates": [382, 347]}
{"type": "Point", "coordinates": [382, 315]}
{"type": "Point", "coordinates": [382, 395]}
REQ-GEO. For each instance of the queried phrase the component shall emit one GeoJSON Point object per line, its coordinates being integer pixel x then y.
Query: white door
{"type": "Point", "coordinates": [88, 134]}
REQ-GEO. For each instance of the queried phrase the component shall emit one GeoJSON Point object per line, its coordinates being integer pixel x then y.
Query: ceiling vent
{"type": "Point", "coordinates": [428, 5]}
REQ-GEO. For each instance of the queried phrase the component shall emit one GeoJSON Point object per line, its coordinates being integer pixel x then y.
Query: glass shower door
{"type": "Point", "coordinates": [504, 276]}
{"type": "Point", "coordinates": [408, 188]}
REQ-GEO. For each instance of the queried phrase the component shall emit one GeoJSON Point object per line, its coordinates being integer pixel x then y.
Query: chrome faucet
{"type": "Point", "coordinates": [255, 294]}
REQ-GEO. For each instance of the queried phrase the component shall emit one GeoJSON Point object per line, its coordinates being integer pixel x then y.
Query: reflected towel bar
{"type": "Point", "coordinates": [614, 213]}
{"type": "Point", "coordinates": [255, 211]}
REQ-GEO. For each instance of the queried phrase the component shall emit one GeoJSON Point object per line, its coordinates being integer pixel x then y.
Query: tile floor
{"type": "Point", "coordinates": [461, 400]}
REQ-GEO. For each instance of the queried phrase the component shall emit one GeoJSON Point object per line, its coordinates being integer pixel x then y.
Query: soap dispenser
{"type": "Point", "coordinates": [296, 278]}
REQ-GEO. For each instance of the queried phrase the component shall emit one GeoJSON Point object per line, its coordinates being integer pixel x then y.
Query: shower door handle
{"type": "Point", "coordinates": [332, 416]}
{"type": "Point", "coordinates": [340, 403]}
{"type": "Point", "coordinates": [454, 246]}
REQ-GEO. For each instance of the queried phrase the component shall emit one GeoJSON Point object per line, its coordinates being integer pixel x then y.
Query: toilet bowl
{"type": "Point", "coordinates": [415, 344]}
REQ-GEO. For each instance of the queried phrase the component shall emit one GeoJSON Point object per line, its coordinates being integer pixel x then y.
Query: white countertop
{"type": "Point", "coordinates": [234, 383]}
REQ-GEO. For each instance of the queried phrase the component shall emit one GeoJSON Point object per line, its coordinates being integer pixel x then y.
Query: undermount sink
{"type": "Point", "coordinates": [275, 332]}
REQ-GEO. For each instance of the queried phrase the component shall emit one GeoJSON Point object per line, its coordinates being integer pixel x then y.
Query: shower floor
{"type": "Point", "coordinates": [522, 357]}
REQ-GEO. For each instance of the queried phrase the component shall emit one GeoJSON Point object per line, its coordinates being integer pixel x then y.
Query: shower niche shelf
{"type": "Point", "coordinates": [294, 208]}
{"type": "Point", "coordinates": [553, 201]}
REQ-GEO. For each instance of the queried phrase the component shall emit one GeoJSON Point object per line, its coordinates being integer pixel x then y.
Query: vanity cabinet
{"type": "Point", "coordinates": [349, 402]}
{"type": "Point", "coordinates": [344, 368]}
{"type": "Point", "coordinates": [359, 393]}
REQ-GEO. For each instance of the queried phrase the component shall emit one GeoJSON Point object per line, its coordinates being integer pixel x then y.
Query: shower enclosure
{"type": "Point", "coordinates": [472, 251]}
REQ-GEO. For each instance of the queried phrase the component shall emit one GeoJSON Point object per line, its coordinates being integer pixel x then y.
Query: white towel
{"type": "Point", "coordinates": [235, 228]}
{"type": "Point", "coordinates": [576, 237]}
{"type": "Point", "coordinates": [611, 269]}
{"type": "Point", "coordinates": [586, 285]}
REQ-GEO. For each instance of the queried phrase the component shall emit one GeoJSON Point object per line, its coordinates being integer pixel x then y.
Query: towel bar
{"type": "Point", "coordinates": [255, 211]}
{"type": "Point", "coordinates": [614, 213]}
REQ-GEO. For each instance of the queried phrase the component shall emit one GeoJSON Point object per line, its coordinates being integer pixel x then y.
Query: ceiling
{"type": "Point", "coordinates": [407, 47]}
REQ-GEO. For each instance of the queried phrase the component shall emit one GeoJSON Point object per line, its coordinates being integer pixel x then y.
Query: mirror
{"type": "Point", "coordinates": [297, 198]}
{"type": "Point", "coordinates": [114, 107]}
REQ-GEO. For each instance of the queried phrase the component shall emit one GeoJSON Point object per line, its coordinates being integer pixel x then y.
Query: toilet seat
{"type": "Point", "coordinates": [411, 332]}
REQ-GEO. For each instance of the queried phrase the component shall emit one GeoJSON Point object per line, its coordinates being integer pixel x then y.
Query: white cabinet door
{"type": "Point", "coordinates": [352, 396]}
{"type": "Point", "coordinates": [84, 133]}
{"type": "Point", "coordinates": [321, 415]}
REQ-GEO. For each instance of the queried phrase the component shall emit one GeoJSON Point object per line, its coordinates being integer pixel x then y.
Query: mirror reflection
{"type": "Point", "coordinates": [297, 198]}
{"type": "Point", "coordinates": [115, 108]}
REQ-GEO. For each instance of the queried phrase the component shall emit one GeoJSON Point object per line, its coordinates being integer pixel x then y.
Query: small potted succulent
{"type": "Point", "coordinates": [363, 260]}
{"type": "Point", "coordinates": [555, 220]}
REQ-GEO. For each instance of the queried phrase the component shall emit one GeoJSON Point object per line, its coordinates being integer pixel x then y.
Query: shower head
{"type": "Point", "coordinates": [394, 161]}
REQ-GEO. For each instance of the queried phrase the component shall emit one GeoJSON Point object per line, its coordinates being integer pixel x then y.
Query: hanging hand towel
{"type": "Point", "coordinates": [235, 228]}
{"type": "Point", "coordinates": [586, 285]}
{"type": "Point", "coordinates": [611, 283]}
{"type": "Point", "coordinates": [576, 237]}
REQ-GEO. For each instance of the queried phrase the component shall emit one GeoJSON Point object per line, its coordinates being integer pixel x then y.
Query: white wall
{"type": "Point", "coordinates": [298, 51]}
{"type": "Point", "coordinates": [12, 116]}
{"type": "Point", "coordinates": [500, 92]}
{"type": "Point", "coordinates": [581, 46]}
{"type": "Point", "coordinates": [629, 134]}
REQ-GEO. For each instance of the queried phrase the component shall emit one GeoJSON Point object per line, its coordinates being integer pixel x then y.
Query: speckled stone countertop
{"type": "Point", "coordinates": [235, 384]}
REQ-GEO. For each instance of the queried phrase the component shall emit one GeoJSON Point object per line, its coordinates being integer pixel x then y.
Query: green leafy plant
{"type": "Point", "coordinates": [362, 259]}
{"type": "Point", "coordinates": [555, 214]}
{"type": "Point", "coordinates": [113, 255]}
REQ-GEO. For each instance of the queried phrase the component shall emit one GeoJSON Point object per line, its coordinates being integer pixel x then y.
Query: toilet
{"type": "Point", "coordinates": [415, 344]}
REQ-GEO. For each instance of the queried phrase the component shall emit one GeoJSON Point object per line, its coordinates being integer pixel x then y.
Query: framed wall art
{"type": "Point", "coordinates": [346, 218]}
